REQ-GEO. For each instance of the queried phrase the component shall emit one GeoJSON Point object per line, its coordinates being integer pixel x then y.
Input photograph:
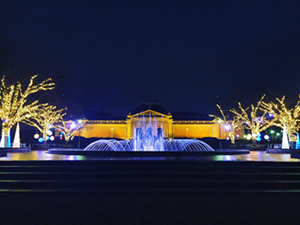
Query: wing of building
{"type": "Point", "coordinates": [178, 125]}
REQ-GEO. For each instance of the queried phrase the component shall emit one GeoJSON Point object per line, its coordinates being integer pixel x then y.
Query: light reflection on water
{"type": "Point", "coordinates": [253, 156]}
{"type": "Point", "coordinates": [40, 155]}
{"type": "Point", "coordinates": [256, 156]}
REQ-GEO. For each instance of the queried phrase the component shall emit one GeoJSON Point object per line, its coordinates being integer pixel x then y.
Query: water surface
{"type": "Point", "coordinates": [253, 156]}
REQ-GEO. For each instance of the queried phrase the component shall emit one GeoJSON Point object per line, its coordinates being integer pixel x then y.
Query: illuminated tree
{"type": "Point", "coordinates": [282, 115]}
{"type": "Point", "coordinates": [254, 121]}
{"type": "Point", "coordinates": [44, 119]}
{"type": "Point", "coordinates": [69, 128]}
{"type": "Point", "coordinates": [231, 125]}
{"type": "Point", "coordinates": [13, 103]}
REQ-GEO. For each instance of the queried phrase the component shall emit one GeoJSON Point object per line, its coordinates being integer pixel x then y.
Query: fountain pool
{"type": "Point", "coordinates": [149, 136]}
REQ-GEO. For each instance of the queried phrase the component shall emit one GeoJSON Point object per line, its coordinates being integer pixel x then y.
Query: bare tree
{"type": "Point", "coordinates": [13, 103]}
{"type": "Point", "coordinates": [255, 120]}
{"type": "Point", "coordinates": [282, 115]}
{"type": "Point", "coordinates": [69, 128]}
{"type": "Point", "coordinates": [231, 125]}
{"type": "Point", "coordinates": [44, 119]}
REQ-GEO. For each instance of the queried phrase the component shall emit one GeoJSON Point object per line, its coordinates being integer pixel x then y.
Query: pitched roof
{"type": "Point", "coordinates": [146, 106]}
{"type": "Point", "coordinates": [191, 116]}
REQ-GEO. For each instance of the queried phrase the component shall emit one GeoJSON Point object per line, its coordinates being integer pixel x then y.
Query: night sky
{"type": "Point", "coordinates": [184, 55]}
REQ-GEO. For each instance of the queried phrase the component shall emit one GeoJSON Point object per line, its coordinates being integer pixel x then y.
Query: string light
{"type": "Point", "coordinates": [231, 125]}
{"type": "Point", "coordinates": [282, 115]}
{"type": "Point", "coordinates": [69, 128]}
{"type": "Point", "coordinates": [44, 118]}
{"type": "Point", "coordinates": [256, 123]}
{"type": "Point", "coordinates": [13, 107]}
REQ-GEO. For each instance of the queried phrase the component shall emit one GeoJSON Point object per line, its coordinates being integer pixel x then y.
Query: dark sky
{"type": "Point", "coordinates": [181, 54]}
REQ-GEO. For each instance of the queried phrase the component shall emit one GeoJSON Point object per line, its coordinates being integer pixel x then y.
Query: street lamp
{"type": "Point", "coordinates": [80, 124]}
{"type": "Point", "coordinates": [220, 121]}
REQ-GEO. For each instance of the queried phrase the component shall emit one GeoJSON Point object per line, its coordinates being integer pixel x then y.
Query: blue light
{"type": "Point", "coordinates": [40, 140]}
{"type": "Point", "coordinates": [298, 141]}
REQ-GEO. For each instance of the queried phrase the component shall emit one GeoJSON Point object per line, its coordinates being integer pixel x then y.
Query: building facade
{"type": "Point", "coordinates": [155, 119]}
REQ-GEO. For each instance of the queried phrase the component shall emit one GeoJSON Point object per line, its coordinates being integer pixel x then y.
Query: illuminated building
{"type": "Point", "coordinates": [178, 125]}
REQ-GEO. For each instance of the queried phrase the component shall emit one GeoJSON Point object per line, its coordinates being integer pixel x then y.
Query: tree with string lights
{"type": "Point", "coordinates": [44, 118]}
{"type": "Point", "coordinates": [256, 120]}
{"type": "Point", "coordinates": [69, 128]}
{"type": "Point", "coordinates": [231, 125]}
{"type": "Point", "coordinates": [14, 107]}
{"type": "Point", "coordinates": [282, 115]}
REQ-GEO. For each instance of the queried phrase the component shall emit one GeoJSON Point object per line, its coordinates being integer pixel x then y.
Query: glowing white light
{"type": "Point", "coordinates": [36, 136]}
{"type": "Point", "coordinates": [73, 125]}
{"type": "Point", "coordinates": [249, 136]}
{"type": "Point", "coordinates": [227, 127]}
{"type": "Point", "coordinates": [52, 138]}
{"type": "Point", "coordinates": [266, 137]}
{"type": "Point", "coordinates": [49, 132]}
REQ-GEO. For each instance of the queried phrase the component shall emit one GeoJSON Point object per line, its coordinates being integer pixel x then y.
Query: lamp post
{"type": "Point", "coordinates": [220, 121]}
{"type": "Point", "coordinates": [79, 122]}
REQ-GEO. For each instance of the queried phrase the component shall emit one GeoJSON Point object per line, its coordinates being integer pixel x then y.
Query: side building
{"type": "Point", "coordinates": [178, 125]}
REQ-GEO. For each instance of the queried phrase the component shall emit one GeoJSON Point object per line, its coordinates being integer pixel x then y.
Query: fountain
{"type": "Point", "coordinates": [149, 136]}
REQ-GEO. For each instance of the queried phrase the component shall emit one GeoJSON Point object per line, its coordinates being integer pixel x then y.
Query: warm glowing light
{"type": "Point", "coordinates": [231, 126]}
{"type": "Point", "coordinates": [255, 120]}
{"type": "Point", "coordinates": [249, 137]}
{"type": "Point", "coordinates": [36, 136]}
{"type": "Point", "coordinates": [44, 119]}
{"type": "Point", "coordinates": [282, 115]}
{"type": "Point", "coordinates": [69, 128]}
{"type": "Point", "coordinates": [14, 105]}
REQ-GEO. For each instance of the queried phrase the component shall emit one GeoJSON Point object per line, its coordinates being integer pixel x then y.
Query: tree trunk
{"type": "Point", "coordinates": [7, 142]}
{"type": "Point", "coordinates": [232, 140]}
{"type": "Point", "coordinates": [45, 138]}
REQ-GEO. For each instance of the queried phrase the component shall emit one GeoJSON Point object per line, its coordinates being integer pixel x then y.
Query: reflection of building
{"type": "Point", "coordinates": [178, 125]}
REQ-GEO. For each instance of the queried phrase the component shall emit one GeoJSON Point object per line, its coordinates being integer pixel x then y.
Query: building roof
{"type": "Point", "coordinates": [146, 106]}
{"type": "Point", "coordinates": [90, 115]}
{"type": "Point", "coordinates": [191, 116]}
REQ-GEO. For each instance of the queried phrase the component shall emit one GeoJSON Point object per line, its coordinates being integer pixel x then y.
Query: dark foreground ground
{"type": "Point", "coordinates": [125, 192]}
{"type": "Point", "coordinates": [85, 208]}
